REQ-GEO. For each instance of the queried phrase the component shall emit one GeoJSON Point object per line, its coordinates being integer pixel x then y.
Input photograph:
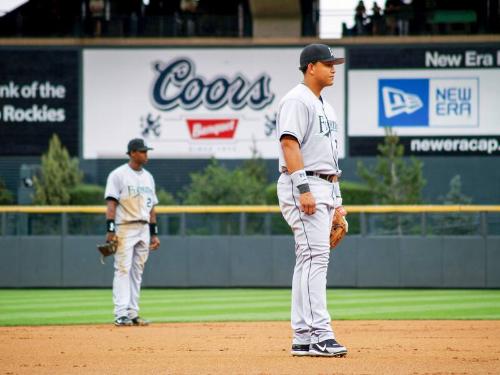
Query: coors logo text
{"type": "Point", "coordinates": [177, 85]}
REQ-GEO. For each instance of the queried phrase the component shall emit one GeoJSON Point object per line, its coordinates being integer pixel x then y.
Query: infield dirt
{"type": "Point", "coordinates": [375, 347]}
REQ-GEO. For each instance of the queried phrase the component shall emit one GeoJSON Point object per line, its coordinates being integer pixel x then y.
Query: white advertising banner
{"type": "Point", "coordinates": [192, 102]}
{"type": "Point", "coordinates": [440, 100]}
{"type": "Point", "coordinates": [434, 102]}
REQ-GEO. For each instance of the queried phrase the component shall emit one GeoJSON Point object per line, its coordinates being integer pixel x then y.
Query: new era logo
{"type": "Point", "coordinates": [397, 102]}
{"type": "Point", "coordinates": [403, 102]}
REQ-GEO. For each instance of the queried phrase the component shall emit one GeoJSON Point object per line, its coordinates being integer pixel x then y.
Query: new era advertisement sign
{"type": "Point", "coordinates": [428, 102]}
{"type": "Point", "coordinates": [435, 107]}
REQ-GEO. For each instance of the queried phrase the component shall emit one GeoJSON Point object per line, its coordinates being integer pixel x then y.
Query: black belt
{"type": "Point", "coordinates": [327, 177]}
{"type": "Point", "coordinates": [134, 222]}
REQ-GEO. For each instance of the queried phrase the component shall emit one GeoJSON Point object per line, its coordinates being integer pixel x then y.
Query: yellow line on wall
{"type": "Point", "coordinates": [252, 209]}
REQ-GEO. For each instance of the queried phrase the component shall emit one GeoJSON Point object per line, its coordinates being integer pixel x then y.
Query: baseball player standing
{"type": "Point", "coordinates": [309, 193]}
{"type": "Point", "coordinates": [131, 220]}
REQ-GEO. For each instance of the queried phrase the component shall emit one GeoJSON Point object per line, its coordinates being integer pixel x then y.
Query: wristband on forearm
{"type": "Point", "coordinates": [153, 229]}
{"type": "Point", "coordinates": [338, 196]}
{"type": "Point", "coordinates": [110, 226]}
{"type": "Point", "coordinates": [299, 179]}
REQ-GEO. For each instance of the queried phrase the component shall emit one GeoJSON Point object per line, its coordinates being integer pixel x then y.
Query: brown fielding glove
{"type": "Point", "coordinates": [107, 249]}
{"type": "Point", "coordinates": [339, 229]}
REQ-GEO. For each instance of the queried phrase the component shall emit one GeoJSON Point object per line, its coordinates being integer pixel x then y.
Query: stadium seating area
{"type": "Point", "coordinates": [234, 18]}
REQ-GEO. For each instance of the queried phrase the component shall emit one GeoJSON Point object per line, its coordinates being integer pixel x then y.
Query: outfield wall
{"type": "Point", "coordinates": [257, 261]}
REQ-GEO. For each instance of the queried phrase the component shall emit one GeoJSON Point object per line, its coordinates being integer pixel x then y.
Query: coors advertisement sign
{"type": "Point", "coordinates": [191, 103]}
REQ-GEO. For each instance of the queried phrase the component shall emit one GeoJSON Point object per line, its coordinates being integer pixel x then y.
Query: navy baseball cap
{"type": "Point", "coordinates": [137, 144]}
{"type": "Point", "coordinates": [318, 52]}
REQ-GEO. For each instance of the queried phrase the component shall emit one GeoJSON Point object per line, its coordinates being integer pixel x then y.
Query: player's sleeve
{"type": "Point", "coordinates": [112, 190]}
{"type": "Point", "coordinates": [293, 119]}
{"type": "Point", "coordinates": [155, 198]}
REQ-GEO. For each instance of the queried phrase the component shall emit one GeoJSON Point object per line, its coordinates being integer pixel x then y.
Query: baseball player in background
{"type": "Point", "coordinates": [131, 220]}
{"type": "Point", "coordinates": [309, 193]}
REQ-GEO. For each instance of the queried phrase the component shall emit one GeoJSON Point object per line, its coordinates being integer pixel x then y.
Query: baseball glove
{"type": "Point", "coordinates": [339, 229]}
{"type": "Point", "coordinates": [107, 249]}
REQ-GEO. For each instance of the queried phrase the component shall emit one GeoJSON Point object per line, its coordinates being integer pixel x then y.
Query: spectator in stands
{"type": "Point", "coordinates": [360, 18]}
{"type": "Point", "coordinates": [404, 17]}
{"type": "Point", "coordinates": [97, 8]}
{"type": "Point", "coordinates": [391, 14]}
{"type": "Point", "coordinates": [189, 9]}
{"type": "Point", "coordinates": [377, 20]}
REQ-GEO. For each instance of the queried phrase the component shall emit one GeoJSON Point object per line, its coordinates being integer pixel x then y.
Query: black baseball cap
{"type": "Point", "coordinates": [318, 52]}
{"type": "Point", "coordinates": [137, 144]}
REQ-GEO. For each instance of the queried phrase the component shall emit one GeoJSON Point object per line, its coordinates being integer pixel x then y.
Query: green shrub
{"type": "Point", "coordinates": [6, 197]}
{"type": "Point", "coordinates": [271, 194]}
{"type": "Point", "coordinates": [456, 223]}
{"type": "Point", "coordinates": [354, 193]}
{"type": "Point", "coordinates": [393, 180]}
{"type": "Point", "coordinates": [165, 198]}
{"type": "Point", "coordinates": [59, 174]}
{"type": "Point", "coordinates": [86, 195]}
{"type": "Point", "coordinates": [216, 185]}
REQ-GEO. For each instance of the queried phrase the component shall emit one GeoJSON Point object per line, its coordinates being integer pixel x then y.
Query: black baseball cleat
{"type": "Point", "coordinates": [327, 348]}
{"type": "Point", "coordinates": [123, 321]}
{"type": "Point", "coordinates": [300, 350]}
{"type": "Point", "coordinates": [138, 321]}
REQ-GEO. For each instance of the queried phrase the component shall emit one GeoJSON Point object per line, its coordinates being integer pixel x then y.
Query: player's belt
{"type": "Point", "coordinates": [327, 177]}
{"type": "Point", "coordinates": [134, 222]}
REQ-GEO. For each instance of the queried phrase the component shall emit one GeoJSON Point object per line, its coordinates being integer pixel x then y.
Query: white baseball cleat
{"type": "Point", "coordinates": [123, 321]}
{"type": "Point", "coordinates": [327, 348]}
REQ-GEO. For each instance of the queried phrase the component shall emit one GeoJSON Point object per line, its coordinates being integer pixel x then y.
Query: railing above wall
{"type": "Point", "coordinates": [257, 209]}
{"type": "Point", "coordinates": [246, 42]}
{"type": "Point", "coordinates": [399, 220]}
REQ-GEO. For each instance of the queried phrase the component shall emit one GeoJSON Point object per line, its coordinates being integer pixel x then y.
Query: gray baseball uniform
{"type": "Point", "coordinates": [313, 123]}
{"type": "Point", "coordinates": [135, 193]}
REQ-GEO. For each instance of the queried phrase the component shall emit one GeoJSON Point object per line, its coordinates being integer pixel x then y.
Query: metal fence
{"type": "Point", "coordinates": [427, 220]}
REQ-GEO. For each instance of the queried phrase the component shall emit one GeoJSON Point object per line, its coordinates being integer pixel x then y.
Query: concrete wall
{"type": "Point", "coordinates": [257, 261]}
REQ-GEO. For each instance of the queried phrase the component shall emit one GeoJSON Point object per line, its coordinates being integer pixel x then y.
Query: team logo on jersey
{"type": "Point", "coordinates": [430, 102]}
{"type": "Point", "coordinates": [212, 128]}
{"type": "Point", "coordinates": [178, 85]}
{"type": "Point", "coordinates": [138, 190]}
{"type": "Point", "coordinates": [326, 126]}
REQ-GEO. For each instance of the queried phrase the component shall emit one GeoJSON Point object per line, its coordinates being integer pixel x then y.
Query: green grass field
{"type": "Point", "coordinates": [90, 306]}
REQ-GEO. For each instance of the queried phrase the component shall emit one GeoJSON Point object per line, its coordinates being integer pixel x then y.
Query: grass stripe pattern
{"type": "Point", "coordinates": [94, 306]}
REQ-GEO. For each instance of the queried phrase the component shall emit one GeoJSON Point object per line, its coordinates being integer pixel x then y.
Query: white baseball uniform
{"type": "Point", "coordinates": [314, 124]}
{"type": "Point", "coordinates": [135, 193]}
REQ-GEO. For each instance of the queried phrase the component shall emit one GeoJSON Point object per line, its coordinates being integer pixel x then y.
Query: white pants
{"type": "Point", "coordinates": [310, 319]}
{"type": "Point", "coordinates": [130, 258]}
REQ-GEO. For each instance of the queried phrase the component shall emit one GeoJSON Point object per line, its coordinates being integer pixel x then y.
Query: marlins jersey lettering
{"type": "Point", "coordinates": [314, 124]}
{"type": "Point", "coordinates": [135, 190]}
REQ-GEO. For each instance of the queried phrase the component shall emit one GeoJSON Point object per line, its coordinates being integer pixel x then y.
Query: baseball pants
{"type": "Point", "coordinates": [310, 319]}
{"type": "Point", "coordinates": [130, 258]}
